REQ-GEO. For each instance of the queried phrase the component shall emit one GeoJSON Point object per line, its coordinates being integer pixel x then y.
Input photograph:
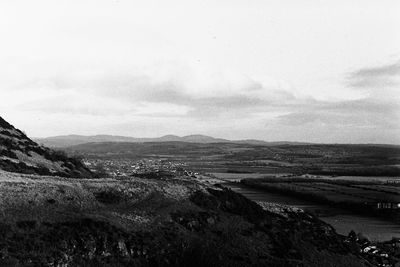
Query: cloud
{"type": "Point", "coordinates": [364, 113]}
{"type": "Point", "coordinates": [376, 77]}
{"type": "Point", "coordinates": [185, 100]}
{"type": "Point", "coordinates": [74, 104]}
{"type": "Point", "coordinates": [385, 70]}
{"type": "Point", "coordinates": [186, 91]}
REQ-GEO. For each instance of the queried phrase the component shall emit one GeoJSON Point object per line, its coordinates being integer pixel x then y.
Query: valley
{"type": "Point", "coordinates": [194, 204]}
{"type": "Point", "coordinates": [297, 173]}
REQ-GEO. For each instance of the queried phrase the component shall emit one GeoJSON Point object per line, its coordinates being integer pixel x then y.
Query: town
{"type": "Point", "coordinates": [127, 167]}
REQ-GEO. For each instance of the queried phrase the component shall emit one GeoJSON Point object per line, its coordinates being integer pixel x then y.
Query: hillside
{"type": "Point", "coordinates": [53, 221]}
{"type": "Point", "coordinates": [18, 153]}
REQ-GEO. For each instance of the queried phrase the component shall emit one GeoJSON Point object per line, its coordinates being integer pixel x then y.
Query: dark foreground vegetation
{"type": "Point", "coordinates": [193, 238]}
{"type": "Point", "coordinates": [140, 222]}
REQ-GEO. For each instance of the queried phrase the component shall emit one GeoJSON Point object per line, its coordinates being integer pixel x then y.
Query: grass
{"type": "Point", "coordinates": [148, 222]}
{"type": "Point", "coordinates": [31, 197]}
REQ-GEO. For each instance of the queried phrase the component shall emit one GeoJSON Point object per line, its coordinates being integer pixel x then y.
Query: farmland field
{"type": "Point", "coordinates": [332, 160]}
{"type": "Point", "coordinates": [343, 183]}
{"type": "Point", "coordinates": [342, 220]}
{"type": "Point", "coordinates": [369, 197]}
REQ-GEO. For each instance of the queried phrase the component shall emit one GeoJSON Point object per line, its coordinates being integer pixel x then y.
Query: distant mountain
{"type": "Point", "coordinates": [263, 143]}
{"type": "Point", "coordinates": [197, 138]}
{"type": "Point", "coordinates": [73, 140]}
{"type": "Point", "coordinates": [20, 154]}
{"type": "Point", "coordinates": [275, 143]}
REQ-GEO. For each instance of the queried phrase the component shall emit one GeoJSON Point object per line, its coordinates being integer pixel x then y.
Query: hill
{"type": "Point", "coordinates": [72, 140]}
{"type": "Point", "coordinates": [53, 221]}
{"type": "Point", "coordinates": [18, 153]}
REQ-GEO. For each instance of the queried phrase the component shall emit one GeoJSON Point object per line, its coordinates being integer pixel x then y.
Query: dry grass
{"type": "Point", "coordinates": [48, 198]}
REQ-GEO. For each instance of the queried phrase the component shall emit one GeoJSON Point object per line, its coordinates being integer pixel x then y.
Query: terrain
{"type": "Point", "coordinates": [353, 160]}
{"type": "Point", "coordinates": [19, 153]}
{"type": "Point", "coordinates": [71, 140]}
{"type": "Point", "coordinates": [55, 221]}
{"type": "Point", "coordinates": [153, 211]}
{"type": "Point", "coordinates": [371, 197]}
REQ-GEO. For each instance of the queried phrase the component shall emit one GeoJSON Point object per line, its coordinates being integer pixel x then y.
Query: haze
{"type": "Point", "coordinates": [315, 71]}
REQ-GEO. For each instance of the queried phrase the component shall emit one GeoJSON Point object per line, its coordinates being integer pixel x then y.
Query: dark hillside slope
{"type": "Point", "coordinates": [53, 221]}
{"type": "Point", "coordinates": [18, 153]}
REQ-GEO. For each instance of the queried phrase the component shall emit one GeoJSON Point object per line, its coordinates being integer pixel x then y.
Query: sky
{"type": "Point", "coordinates": [314, 71]}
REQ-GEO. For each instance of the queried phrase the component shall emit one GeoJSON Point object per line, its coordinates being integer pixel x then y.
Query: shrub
{"type": "Point", "coordinates": [109, 196]}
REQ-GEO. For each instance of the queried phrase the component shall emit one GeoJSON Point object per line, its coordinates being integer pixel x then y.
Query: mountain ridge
{"type": "Point", "coordinates": [72, 140]}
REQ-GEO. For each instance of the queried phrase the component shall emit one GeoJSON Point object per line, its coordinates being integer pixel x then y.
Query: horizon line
{"type": "Point", "coordinates": [225, 139]}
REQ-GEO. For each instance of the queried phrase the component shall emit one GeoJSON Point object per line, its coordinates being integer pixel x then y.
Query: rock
{"type": "Point", "coordinates": [122, 248]}
{"type": "Point", "coordinates": [210, 220]}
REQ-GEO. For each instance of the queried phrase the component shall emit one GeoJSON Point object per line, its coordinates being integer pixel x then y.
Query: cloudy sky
{"type": "Point", "coordinates": [316, 71]}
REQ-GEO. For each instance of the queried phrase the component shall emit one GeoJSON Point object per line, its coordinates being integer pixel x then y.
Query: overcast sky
{"type": "Point", "coordinates": [316, 71]}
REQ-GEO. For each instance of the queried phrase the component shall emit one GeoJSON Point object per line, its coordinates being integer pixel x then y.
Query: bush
{"type": "Point", "coordinates": [109, 196]}
{"type": "Point", "coordinates": [8, 153]}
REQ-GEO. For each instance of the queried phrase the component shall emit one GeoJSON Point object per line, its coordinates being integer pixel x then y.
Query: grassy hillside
{"type": "Point", "coordinates": [53, 221]}
{"type": "Point", "coordinates": [18, 153]}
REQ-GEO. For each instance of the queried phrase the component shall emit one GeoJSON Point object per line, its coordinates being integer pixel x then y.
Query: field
{"type": "Point", "coordinates": [229, 176]}
{"type": "Point", "coordinates": [361, 178]}
{"type": "Point", "coordinates": [369, 196]}
{"type": "Point", "coordinates": [341, 160]}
